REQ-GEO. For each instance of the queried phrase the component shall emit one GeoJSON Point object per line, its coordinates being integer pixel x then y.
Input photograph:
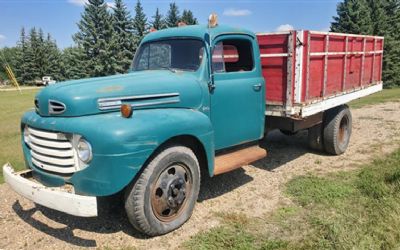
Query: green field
{"type": "Point", "coordinates": [387, 95]}
{"type": "Point", "coordinates": [13, 104]}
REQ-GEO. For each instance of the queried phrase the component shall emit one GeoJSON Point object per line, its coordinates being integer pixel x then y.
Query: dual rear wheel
{"type": "Point", "coordinates": [333, 135]}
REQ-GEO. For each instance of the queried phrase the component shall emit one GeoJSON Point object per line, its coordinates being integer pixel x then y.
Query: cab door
{"type": "Point", "coordinates": [237, 99]}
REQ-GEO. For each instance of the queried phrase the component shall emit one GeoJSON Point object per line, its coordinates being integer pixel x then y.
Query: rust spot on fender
{"type": "Point", "coordinates": [110, 89]}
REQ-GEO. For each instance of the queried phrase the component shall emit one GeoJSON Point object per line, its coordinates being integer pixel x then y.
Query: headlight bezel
{"type": "Point", "coordinates": [84, 151]}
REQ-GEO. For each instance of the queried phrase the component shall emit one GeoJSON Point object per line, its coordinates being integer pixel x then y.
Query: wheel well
{"type": "Point", "coordinates": [194, 144]}
{"type": "Point", "coordinates": [183, 140]}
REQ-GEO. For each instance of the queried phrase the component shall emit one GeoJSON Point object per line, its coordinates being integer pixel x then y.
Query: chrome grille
{"type": "Point", "coordinates": [56, 107]}
{"type": "Point", "coordinates": [51, 151]}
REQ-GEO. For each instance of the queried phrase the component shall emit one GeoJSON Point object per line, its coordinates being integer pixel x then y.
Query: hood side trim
{"type": "Point", "coordinates": [116, 102]}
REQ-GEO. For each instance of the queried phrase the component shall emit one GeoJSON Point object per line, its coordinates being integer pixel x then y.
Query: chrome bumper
{"type": "Point", "coordinates": [54, 198]}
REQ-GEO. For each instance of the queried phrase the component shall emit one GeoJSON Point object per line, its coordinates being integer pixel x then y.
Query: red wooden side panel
{"type": "Point", "coordinates": [339, 63]}
{"type": "Point", "coordinates": [274, 68]}
{"type": "Point", "coordinates": [330, 64]}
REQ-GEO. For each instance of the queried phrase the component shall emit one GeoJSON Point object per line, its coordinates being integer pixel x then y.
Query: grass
{"type": "Point", "coordinates": [12, 106]}
{"type": "Point", "coordinates": [357, 209]}
{"type": "Point", "coordinates": [387, 95]}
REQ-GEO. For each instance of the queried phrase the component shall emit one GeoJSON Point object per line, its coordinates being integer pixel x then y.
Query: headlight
{"type": "Point", "coordinates": [26, 135]}
{"type": "Point", "coordinates": [84, 151]}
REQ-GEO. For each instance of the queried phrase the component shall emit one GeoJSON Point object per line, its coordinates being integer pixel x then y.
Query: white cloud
{"type": "Point", "coordinates": [2, 38]}
{"type": "Point", "coordinates": [78, 2]}
{"type": "Point", "coordinates": [284, 27]}
{"type": "Point", "coordinates": [237, 12]}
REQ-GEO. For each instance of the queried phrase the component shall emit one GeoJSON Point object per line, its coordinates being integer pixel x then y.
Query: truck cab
{"type": "Point", "coordinates": [149, 133]}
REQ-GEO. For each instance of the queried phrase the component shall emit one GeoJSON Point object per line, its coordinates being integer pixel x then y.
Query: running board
{"type": "Point", "coordinates": [233, 160]}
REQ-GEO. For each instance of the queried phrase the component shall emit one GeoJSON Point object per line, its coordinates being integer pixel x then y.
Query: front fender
{"type": "Point", "coordinates": [120, 145]}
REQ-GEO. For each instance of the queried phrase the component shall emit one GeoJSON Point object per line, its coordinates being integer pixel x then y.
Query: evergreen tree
{"type": "Point", "coordinates": [188, 18]}
{"type": "Point", "coordinates": [158, 21]}
{"type": "Point", "coordinates": [32, 54]}
{"type": "Point", "coordinates": [173, 17]}
{"type": "Point", "coordinates": [21, 70]}
{"type": "Point", "coordinates": [97, 38]}
{"type": "Point", "coordinates": [139, 21]}
{"type": "Point", "coordinates": [41, 53]}
{"type": "Point", "coordinates": [391, 56]}
{"type": "Point", "coordinates": [378, 17]}
{"type": "Point", "coordinates": [353, 17]}
{"type": "Point", "coordinates": [125, 39]}
{"type": "Point", "coordinates": [73, 63]}
{"type": "Point", "coordinates": [53, 59]}
{"type": "Point", "coordinates": [374, 17]}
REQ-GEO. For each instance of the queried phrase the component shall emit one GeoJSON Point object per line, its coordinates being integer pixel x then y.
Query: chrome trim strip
{"type": "Point", "coordinates": [137, 105]}
{"type": "Point", "coordinates": [116, 102]}
{"type": "Point", "coordinates": [135, 97]}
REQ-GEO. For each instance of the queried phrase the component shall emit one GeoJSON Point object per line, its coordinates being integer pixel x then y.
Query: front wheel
{"type": "Point", "coordinates": [164, 195]}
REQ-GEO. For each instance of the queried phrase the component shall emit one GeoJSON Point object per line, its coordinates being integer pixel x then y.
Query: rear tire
{"type": "Point", "coordinates": [337, 130]}
{"type": "Point", "coordinates": [164, 195]}
{"type": "Point", "coordinates": [315, 138]}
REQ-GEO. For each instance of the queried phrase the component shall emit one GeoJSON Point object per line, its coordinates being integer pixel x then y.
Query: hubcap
{"type": "Point", "coordinates": [168, 195]}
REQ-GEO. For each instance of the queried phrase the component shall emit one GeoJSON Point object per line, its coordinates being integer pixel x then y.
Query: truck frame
{"type": "Point", "coordinates": [197, 101]}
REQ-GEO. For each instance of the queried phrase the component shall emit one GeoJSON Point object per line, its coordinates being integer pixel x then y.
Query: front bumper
{"type": "Point", "coordinates": [55, 198]}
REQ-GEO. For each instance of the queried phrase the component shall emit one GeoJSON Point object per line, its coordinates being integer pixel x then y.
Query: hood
{"type": "Point", "coordinates": [144, 89]}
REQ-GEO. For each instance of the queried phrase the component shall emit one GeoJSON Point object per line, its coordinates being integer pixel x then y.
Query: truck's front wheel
{"type": "Point", "coordinates": [337, 130]}
{"type": "Point", "coordinates": [164, 195]}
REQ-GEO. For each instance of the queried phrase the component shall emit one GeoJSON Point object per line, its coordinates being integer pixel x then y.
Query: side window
{"type": "Point", "coordinates": [233, 55]}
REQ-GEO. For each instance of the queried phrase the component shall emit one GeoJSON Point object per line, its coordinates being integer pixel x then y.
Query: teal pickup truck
{"type": "Point", "coordinates": [193, 103]}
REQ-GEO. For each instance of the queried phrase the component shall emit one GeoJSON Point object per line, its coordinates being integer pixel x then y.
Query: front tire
{"type": "Point", "coordinates": [163, 197]}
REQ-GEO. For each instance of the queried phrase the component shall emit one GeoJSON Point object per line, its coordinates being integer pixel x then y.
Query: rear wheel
{"type": "Point", "coordinates": [315, 138]}
{"type": "Point", "coordinates": [337, 130]}
{"type": "Point", "coordinates": [164, 195]}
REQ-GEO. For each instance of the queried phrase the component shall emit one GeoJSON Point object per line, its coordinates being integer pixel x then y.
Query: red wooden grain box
{"type": "Point", "coordinates": [307, 72]}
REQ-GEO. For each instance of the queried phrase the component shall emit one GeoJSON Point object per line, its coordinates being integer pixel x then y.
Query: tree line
{"type": "Point", "coordinates": [105, 43]}
{"type": "Point", "coordinates": [374, 17]}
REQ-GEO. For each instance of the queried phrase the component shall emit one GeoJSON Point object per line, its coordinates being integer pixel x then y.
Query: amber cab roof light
{"type": "Point", "coordinates": [212, 20]}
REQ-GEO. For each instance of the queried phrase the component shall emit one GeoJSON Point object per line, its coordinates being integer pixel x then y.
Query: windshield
{"type": "Point", "coordinates": [172, 54]}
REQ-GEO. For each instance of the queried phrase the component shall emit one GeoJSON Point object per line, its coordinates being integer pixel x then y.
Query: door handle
{"type": "Point", "coordinates": [257, 87]}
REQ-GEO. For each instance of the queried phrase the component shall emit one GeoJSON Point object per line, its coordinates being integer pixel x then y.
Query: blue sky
{"type": "Point", "coordinates": [59, 17]}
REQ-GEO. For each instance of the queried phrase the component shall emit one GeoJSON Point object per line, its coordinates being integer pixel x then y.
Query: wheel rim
{"type": "Point", "coordinates": [170, 191]}
{"type": "Point", "coordinates": [344, 131]}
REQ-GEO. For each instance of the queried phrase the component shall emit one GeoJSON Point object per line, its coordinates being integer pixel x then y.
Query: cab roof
{"type": "Point", "coordinates": [196, 31]}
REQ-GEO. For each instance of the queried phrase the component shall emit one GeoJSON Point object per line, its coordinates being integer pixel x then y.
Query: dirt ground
{"type": "Point", "coordinates": [254, 190]}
